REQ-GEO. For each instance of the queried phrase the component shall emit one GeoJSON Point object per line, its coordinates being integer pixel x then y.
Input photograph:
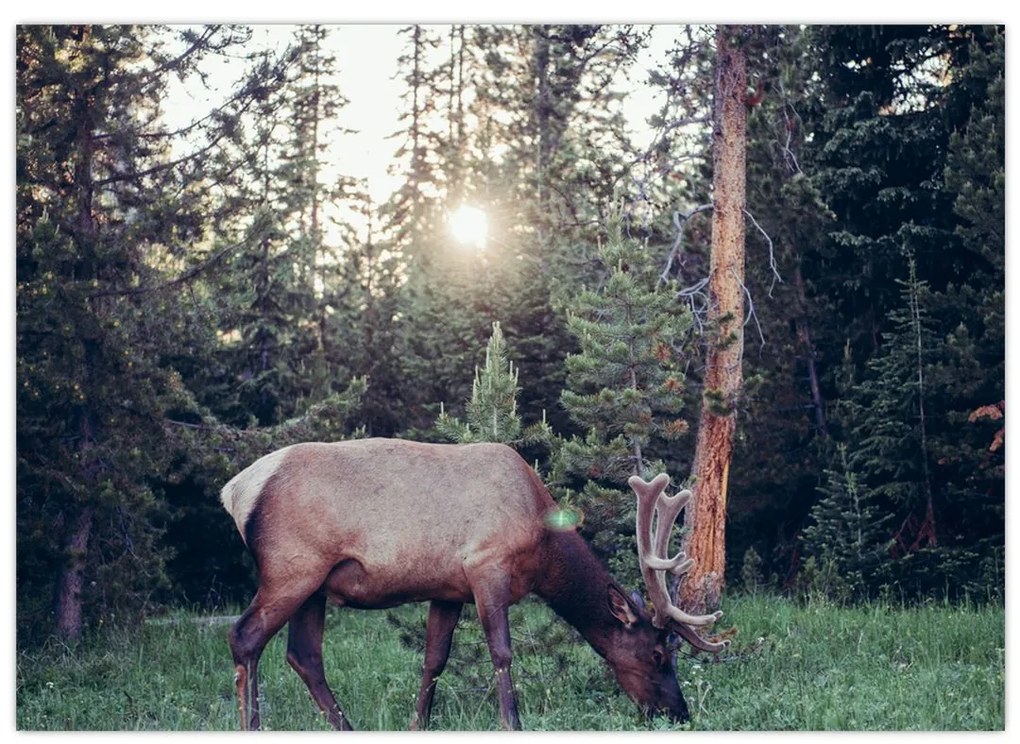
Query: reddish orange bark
{"type": "Point", "coordinates": [705, 539]}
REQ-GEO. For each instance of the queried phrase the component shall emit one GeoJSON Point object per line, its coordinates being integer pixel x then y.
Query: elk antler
{"type": "Point", "coordinates": [653, 547]}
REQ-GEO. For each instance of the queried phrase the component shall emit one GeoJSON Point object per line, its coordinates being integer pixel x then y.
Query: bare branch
{"type": "Point", "coordinates": [772, 253]}
{"type": "Point", "coordinates": [698, 311]}
{"type": "Point", "coordinates": [788, 154]}
{"type": "Point", "coordinates": [679, 220]}
{"type": "Point", "coordinates": [751, 313]}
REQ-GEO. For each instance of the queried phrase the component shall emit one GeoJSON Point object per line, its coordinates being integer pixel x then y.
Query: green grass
{"type": "Point", "coordinates": [792, 667]}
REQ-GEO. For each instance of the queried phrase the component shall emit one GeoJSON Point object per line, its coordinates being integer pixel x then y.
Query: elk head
{"type": "Point", "coordinates": [642, 662]}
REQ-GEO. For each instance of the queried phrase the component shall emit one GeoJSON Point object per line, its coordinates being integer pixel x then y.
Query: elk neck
{"type": "Point", "coordinates": [575, 584]}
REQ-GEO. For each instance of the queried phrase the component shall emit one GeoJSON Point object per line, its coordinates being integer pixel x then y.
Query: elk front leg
{"type": "Point", "coordinates": [443, 617]}
{"type": "Point", "coordinates": [242, 689]}
{"type": "Point", "coordinates": [492, 600]}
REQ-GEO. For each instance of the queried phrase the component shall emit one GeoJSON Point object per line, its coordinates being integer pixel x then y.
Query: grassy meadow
{"type": "Point", "coordinates": [792, 666]}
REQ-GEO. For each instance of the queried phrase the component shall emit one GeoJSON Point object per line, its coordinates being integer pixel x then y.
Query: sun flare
{"type": "Point", "coordinates": [469, 226]}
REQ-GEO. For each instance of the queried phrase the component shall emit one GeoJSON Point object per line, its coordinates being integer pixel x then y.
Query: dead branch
{"type": "Point", "coordinates": [790, 127]}
{"type": "Point", "coordinates": [772, 253]}
{"type": "Point", "coordinates": [699, 310]}
{"type": "Point", "coordinates": [679, 220]}
{"type": "Point", "coordinates": [751, 312]}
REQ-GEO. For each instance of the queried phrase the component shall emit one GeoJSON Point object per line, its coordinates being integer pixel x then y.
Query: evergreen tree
{"type": "Point", "coordinates": [411, 214]}
{"type": "Point", "coordinates": [284, 308]}
{"type": "Point", "coordinates": [191, 296]}
{"type": "Point", "coordinates": [900, 440]}
{"type": "Point", "coordinates": [105, 215]}
{"type": "Point", "coordinates": [261, 285]}
{"type": "Point", "coordinates": [361, 326]}
{"type": "Point", "coordinates": [532, 129]}
{"type": "Point", "coordinates": [881, 135]}
{"type": "Point", "coordinates": [316, 101]}
{"type": "Point", "coordinates": [883, 168]}
{"type": "Point", "coordinates": [286, 276]}
{"type": "Point", "coordinates": [553, 140]}
{"type": "Point", "coordinates": [848, 539]}
{"type": "Point", "coordinates": [969, 451]}
{"type": "Point", "coordinates": [437, 337]}
{"type": "Point", "coordinates": [889, 417]}
{"type": "Point", "coordinates": [491, 414]}
{"type": "Point", "coordinates": [625, 390]}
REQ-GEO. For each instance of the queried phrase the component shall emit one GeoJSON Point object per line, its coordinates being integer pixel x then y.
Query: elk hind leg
{"type": "Point", "coordinates": [247, 640]}
{"type": "Point", "coordinates": [269, 611]}
{"type": "Point", "coordinates": [304, 654]}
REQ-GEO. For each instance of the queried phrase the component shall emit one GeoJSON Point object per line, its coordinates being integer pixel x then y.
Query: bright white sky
{"type": "Point", "coordinates": [368, 66]}
{"type": "Point", "coordinates": [367, 60]}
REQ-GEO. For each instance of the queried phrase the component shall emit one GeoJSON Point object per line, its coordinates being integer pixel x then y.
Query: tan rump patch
{"type": "Point", "coordinates": [241, 494]}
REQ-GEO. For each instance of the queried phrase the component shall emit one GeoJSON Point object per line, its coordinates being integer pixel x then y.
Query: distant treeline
{"type": "Point", "coordinates": [189, 299]}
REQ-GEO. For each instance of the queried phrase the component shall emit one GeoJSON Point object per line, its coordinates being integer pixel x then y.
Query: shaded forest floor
{"type": "Point", "coordinates": [793, 666]}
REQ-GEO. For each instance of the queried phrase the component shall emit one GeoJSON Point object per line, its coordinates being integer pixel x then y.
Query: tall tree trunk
{"type": "Point", "coordinates": [455, 115]}
{"type": "Point", "coordinates": [542, 113]}
{"type": "Point", "coordinates": [417, 153]}
{"type": "Point", "coordinates": [317, 271]}
{"type": "Point", "coordinates": [804, 336]}
{"type": "Point", "coordinates": [706, 516]}
{"type": "Point", "coordinates": [68, 600]}
{"type": "Point", "coordinates": [68, 605]}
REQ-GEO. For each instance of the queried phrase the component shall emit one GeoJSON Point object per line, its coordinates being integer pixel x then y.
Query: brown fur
{"type": "Point", "coordinates": [375, 523]}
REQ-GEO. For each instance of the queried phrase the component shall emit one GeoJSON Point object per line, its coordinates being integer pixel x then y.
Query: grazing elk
{"type": "Point", "coordinates": [376, 523]}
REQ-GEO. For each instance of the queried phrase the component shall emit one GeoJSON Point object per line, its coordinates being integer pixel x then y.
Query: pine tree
{"type": "Point", "coordinates": [970, 377]}
{"type": "Point", "coordinates": [288, 366]}
{"type": "Point", "coordinates": [882, 112]}
{"type": "Point", "coordinates": [287, 273]}
{"type": "Point", "coordinates": [437, 336]}
{"type": "Point", "coordinates": [105, 217]}
{"type": "Point", "coordinates": [848, 538]}
{"type": "Point", "coordinates": [881, 132]}
{"type": "Point", "coordinates": [491, 414]}
{"type": "Point", "coordinates": [891, 422]}
{"type": "Point", "coordinates": [315, 100]}
{"type": "Point", "coordinates": [533, 131]}
{"type": "Point", "coordinates": [411, 216]}
{"type": "Point", "coordinates": [625, 389]}
{"type": "Point", "coordinates": [551, 149]}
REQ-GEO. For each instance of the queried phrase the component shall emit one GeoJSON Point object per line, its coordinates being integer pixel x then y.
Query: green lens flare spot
{"type": "Point", "coordinates": [564, 518]}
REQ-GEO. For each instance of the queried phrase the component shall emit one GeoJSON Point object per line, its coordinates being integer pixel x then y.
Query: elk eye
{"type": "Point", "coordinates": [659, 657]}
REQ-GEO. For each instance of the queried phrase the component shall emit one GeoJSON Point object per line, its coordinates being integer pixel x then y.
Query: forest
{"type": "Point", "coordinates": [547, 273]}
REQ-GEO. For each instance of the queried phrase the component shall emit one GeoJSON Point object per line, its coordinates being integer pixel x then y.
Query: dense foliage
{"type": "Point", "coordinates": [188, 298]}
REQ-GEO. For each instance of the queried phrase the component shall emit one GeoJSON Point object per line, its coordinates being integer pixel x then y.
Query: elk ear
{"type": "Point", "coordinates": [621, 608]}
